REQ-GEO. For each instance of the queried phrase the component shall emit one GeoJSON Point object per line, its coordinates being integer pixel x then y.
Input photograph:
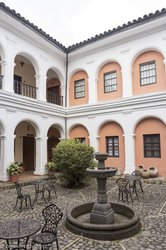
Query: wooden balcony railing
{"type": "Point", "coordinates": [54, 98]}
{"type": "Point", "coordinates": [25, 89]}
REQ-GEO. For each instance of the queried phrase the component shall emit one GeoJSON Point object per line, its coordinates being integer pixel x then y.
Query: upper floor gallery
{"type": "Point", "coordinates": [126, 62]}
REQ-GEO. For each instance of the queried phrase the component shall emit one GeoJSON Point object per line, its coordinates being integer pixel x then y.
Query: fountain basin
{"type": "Point", "coordinates": [126, 224]}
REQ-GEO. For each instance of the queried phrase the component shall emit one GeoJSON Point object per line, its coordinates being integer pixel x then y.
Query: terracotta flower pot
{"type": "Point", "coordinates": [14, 178]}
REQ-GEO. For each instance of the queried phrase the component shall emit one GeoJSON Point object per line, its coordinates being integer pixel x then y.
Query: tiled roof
{"type": "Point", "coordinates": [31, 25]}
{"type": "Point", "coordinates": [129, 25]}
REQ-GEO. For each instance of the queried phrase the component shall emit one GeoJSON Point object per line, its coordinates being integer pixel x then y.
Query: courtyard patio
{"type": "Point", "coordinates": [151, 206]}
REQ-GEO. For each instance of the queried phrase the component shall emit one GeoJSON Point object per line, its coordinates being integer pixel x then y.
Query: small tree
{"type": "Point", "coordinates": [72, 158]}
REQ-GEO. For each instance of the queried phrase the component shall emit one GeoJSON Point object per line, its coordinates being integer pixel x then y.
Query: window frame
{"type": "Point", "coordinates": [146, 71]}
{"type": "Point", "coordinates": [114, 146]}
{"type": "Point", "coordinates": [110, 79]}
{"type": "Point", "coordinates": [149, 146]}
{"type": "Point", "coordinates": [81, 91]}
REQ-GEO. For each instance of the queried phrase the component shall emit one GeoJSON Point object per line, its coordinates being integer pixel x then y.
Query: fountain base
{"type": "Point", "coordinates": [126, 222]}
{"type": "Point", "coordinates": [102, 214]}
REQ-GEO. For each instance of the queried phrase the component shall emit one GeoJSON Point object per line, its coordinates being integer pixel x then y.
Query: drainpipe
{"type": "Point", "coordinates": [66, 81]}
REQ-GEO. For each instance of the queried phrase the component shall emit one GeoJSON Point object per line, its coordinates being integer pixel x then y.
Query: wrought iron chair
{"type": "Point", "coordinates": [50, 187]}
{"type": "Point", "coordinates": [124, 189]}
{"type": "Point", "coordinates": [22, 197]}
{"type": "Point", "coordinates": [138, 182]}
{"type": "Point", "coordinates": [52, 216]}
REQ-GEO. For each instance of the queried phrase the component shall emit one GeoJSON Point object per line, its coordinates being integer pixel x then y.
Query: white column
{"type": "Point", "coordinates": [6, 154]}
{"type": "Point", "coordinates": [3, 159]}
{"type": "Point", "coordinates": [129, 152]}
{"type": "Point", "coordinates": [40, 159]}
{"type": "Point", "coordinates": [164, 61]}
{"type": "Point", "coordinates": [126, 80]}
{"type": "Point", "coordinates": [41, 87]}
{"type": "Point", "coordinates": [7, 72]}
{"type": "Point", "coordinates": [92, 89]}
{"type": "Point", "coordinates": [94, 142]}
{"type": "Point", "coordinates": [63, 94]}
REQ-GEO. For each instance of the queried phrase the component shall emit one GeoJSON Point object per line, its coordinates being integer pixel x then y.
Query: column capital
{"type": "Point", "coordinates": [37, 77]}
{"type": "Point", "coordinates": [2, 137]}
{"type": "Point", "coordinates": [38, 138]}
{"type": "Point", "coordinates": [164, 61]}
{"type": "Point", "coordinates": [3, 62]}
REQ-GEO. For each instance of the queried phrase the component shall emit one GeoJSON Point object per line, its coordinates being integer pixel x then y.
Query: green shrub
{"type": "Point", "coordinates": [50, 166]}
{"type": "Point", "coordinates": [72, 158]}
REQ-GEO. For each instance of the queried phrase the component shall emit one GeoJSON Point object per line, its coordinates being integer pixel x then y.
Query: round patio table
{"type": "Point", "coordinates": [132, 180]}
{"type": "Point", "coordinates": [39, 189]}
{"type": "Point", "coordinates": [18, 229]}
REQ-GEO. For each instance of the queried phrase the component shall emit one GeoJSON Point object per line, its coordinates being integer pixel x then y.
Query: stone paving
{"type": "Point", "coordinates": [151, 207]}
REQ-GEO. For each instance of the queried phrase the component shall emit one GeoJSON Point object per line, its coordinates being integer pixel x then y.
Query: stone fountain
{"type": "Point", "coordinates": [102, 212]}
{"type": "Point", "coordinates": [103, 220]}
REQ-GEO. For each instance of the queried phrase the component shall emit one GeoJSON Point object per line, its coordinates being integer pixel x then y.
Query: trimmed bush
{"type": "Point", "coordinates": [72, 158]}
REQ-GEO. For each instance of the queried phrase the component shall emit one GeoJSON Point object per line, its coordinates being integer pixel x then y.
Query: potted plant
{"type": "Point", "coordinates": [14, 169]}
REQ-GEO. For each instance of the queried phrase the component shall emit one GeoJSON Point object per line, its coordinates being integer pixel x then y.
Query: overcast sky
{"type": "Point", "coordinates": [72, 21]}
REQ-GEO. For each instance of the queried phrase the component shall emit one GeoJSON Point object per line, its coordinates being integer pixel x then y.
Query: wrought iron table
{"type": "Point", "coordinates": [17, 230]}
{"type": "Point", "coordinates": [39, 189]}
{"type": "Point", "coordinates": [133, 180]}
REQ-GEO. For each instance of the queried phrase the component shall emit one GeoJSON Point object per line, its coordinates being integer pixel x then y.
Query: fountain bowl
{"type": "Point", "coordinates": [101, 173]}
{"type": "Point", "coordinates": [127, 222]}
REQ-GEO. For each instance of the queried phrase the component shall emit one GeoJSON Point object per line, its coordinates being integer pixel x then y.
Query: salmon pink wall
{"type": "Point", "coordinates": [113, 66]}
{"type": "Point", "coordinates": [113, 129]}
{"type": "Point", "coordinates": [151, 126]}
{"type": "Point", "coordinates": [160, 71]}
{"type": "Point", "coordinates": [78, 76]}
{"type": "Point", "coordinates": [80, 131]}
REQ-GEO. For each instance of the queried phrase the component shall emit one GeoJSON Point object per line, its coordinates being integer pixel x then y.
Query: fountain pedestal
{"type": "Point", "coordinates": [102, 212]}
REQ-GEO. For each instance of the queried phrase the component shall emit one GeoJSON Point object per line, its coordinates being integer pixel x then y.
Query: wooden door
{"type": "Point", "coordinates": [28, 152]}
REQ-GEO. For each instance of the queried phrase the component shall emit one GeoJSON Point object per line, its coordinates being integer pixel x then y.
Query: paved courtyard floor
{"type": "Point", "coordinates": [151, 207]}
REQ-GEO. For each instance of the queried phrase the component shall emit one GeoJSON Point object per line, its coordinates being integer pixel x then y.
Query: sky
{"type": "Point", "coordinates": [73, 21]}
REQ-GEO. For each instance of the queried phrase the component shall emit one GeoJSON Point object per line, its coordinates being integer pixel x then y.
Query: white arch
{"type": "Point", "coordinates": [57, 71]}
{"type": "Point", "coordinates": [142, 118]}
{"type": "Point", "coordinates": [2, 127]}
{"type": "Point", "coordinates": [106, 61]}
{"type": "Point", "coordinates": [139, 52]}
{"type": "Point", "coordinates": [58, 127]}
{"type": "Point", "coordinates": [75, 71]}
{"type": "Point", "coordinates": [2, 52]}
{"type": "Point", "coordinates": [109, 121]}
{"type": "Point", "coordinates": [75, 125]}
{"type": "Point", "coordinates": [33, 123]}
{"type": "Point", "coordinates": [30, 58]}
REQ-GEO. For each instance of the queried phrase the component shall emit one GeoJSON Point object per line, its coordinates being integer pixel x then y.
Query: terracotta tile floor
{"type": "Point", "coordinates": [24, 177]}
